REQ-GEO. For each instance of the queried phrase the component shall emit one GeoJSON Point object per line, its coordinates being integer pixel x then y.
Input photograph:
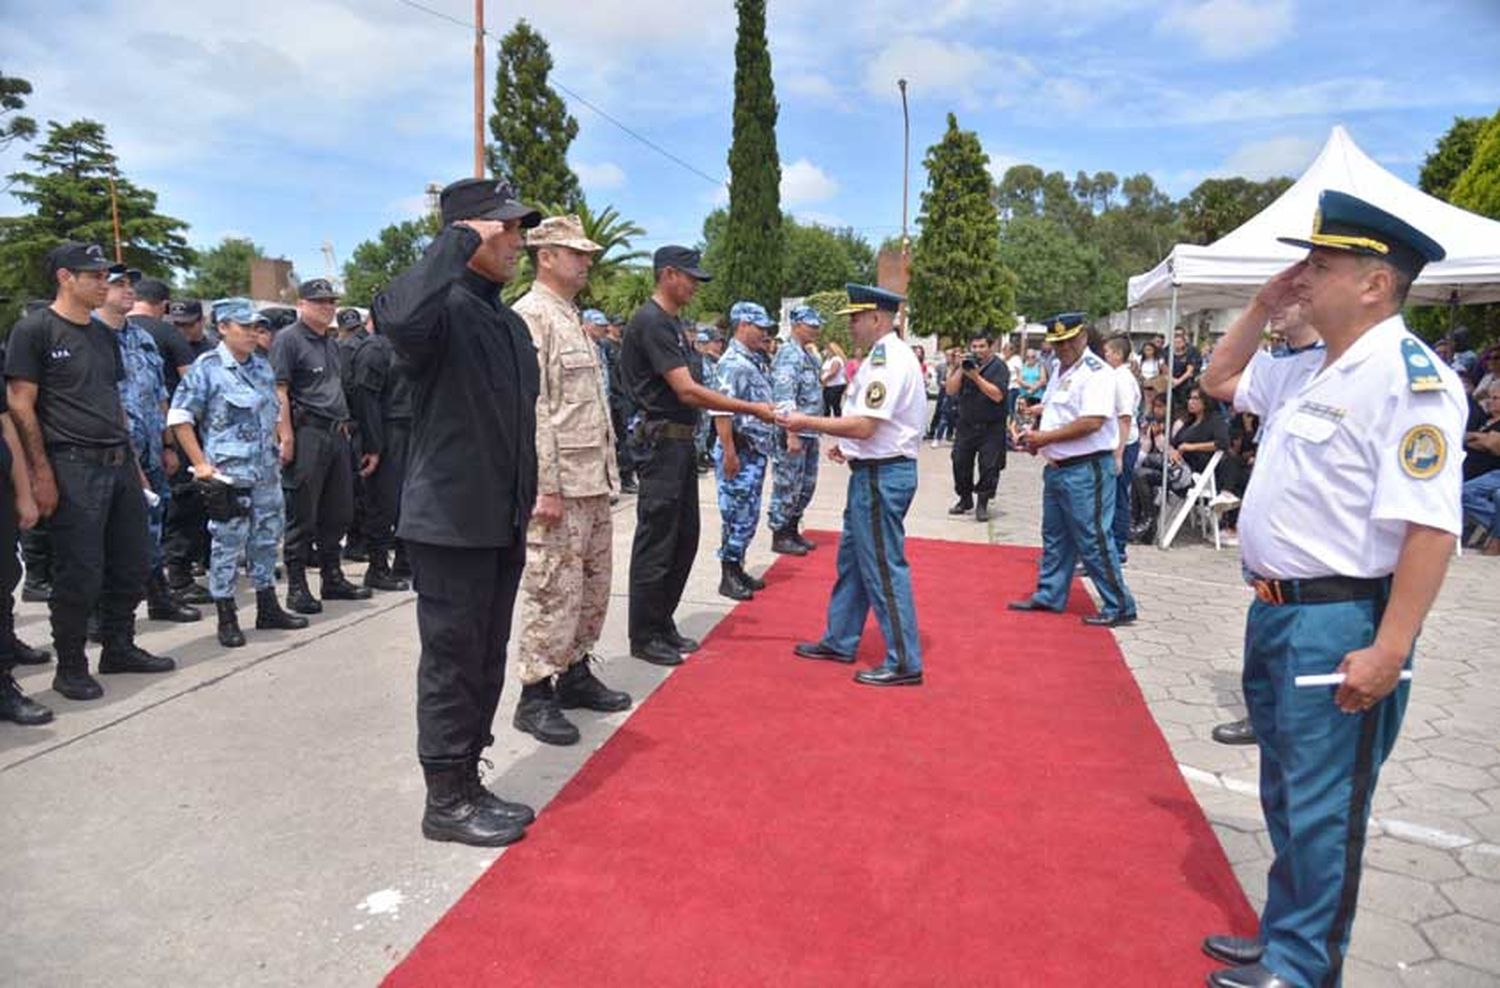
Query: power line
{"type": "Point", "coordinates": [648, 142]}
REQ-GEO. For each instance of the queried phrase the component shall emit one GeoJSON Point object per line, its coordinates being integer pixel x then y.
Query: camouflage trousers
{"type": "Point", "coordinates": [565, 588]}
{"type": "Point", "coordinates": [794, 477]}
{"type": "Point", "coordinates": [739, 502]}
{"type": "Point", "coordinates": [253, 538]}
{"type": "Point", "coordinates": [156, 476]}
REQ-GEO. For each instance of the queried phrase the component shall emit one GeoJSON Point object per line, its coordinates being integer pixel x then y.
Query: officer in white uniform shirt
{"type": "Point", "coordinates": [879, 434]}
{"type": "Point", "coordinates": [1078, 435]}
{"type": "Point", "coordinates": [1347, 526]}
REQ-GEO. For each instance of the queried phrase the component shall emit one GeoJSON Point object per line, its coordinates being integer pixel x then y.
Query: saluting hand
{"type": "Point", "coordinates": [487, 229]}
{"type": "Point", "coordinates": [1281, 291]}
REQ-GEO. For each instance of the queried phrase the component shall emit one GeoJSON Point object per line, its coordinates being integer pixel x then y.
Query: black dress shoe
{"type": "Point", "coordinates": [336, 587]}
{"type": "Point", "coordinates": [25, 655]}
{"type": "Point", "coordinates": [1029, 604]}
{"type": "Point", "coordinates": [681, 642]}
{"type": "Point", "coordinates": [130, 657]}
{"type": "Point", "coordinates": [886, 676]}
{"type": "Point", "coordinates": [657, 652]}
{"type": "Point", "coordinates": [982, 510]}
{"type": "Point", "coordinates": [1248, 976]}
{"type": "Point", "coordinates": [1108, 620]}
{"type": "Point", "coordinates": [17, 707]}
{"type": "Point", "coordinates": [961, 507]}
{"type": "Point", "coordinates": [818, 650]}
{"type": "Point", "coordinates": [1233, 950]}
{"type": "Point", "coordinates": [1235, 732]}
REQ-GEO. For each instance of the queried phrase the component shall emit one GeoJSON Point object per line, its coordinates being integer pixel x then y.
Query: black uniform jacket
{"type": "Point", "coordinates": [471, 463]}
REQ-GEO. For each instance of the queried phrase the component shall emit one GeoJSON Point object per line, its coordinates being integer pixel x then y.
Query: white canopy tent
{"type": "Point", "coordinates": [1227, 273]}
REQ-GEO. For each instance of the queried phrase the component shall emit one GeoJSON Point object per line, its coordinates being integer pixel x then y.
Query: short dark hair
{"type": "Point", "coordinates": [981, 334]}
{"type": "Point", "coordinates": [1119, 344]}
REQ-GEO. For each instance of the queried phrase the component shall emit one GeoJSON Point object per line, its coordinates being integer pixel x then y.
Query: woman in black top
{"type": "Point", "coordinates": [1199, 433]}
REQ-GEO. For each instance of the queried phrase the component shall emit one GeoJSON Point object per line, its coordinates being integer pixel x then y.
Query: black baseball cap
{"type": "Point", "coordinates": [350, 319]}
{"type": "Point", "coordinates": [119, 271]}
{"type": "Point", "coordinates": [183, 311]}
{"type": "Point", "coordinates": [152, 290]}
{"type": "Point", "coordinates": [73, 255]}
{"type": "Point", "coordinates": [684, 259]}
{"type": "Point", "coordinates": [485, 199]}
{"type": "Point", "coordinates": [317, 290]}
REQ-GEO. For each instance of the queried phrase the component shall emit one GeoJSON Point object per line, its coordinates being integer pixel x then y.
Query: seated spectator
{"type": "Point", "coordinates": [1481, 497]}
{"type": "Point", "coordinates": [1491, 378]}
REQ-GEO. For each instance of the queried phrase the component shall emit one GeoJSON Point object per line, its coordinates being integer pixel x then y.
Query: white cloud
{"type": "Point", "coordinates": [1230, 29]}
{"type": "Point", "coordinates": [1260, 160]}
{"type": "Point", "coordinates": [803, 181]}
{"type": "Point", "coordinates": [935, 68]}
{"type": "Point", "coordinates": [602, 177]}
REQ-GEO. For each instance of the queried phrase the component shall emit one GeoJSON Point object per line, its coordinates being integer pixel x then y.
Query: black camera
{"type": "Point", "coordinates": [969, 363]}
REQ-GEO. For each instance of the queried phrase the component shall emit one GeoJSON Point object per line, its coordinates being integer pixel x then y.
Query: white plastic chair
{"type": "Point", "coordinates": [1199, 504]}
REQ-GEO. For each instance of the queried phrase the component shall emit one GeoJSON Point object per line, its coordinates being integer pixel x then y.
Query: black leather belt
{"type": "Point", "coordinates": [881, 462]}
{"type": "Point", "coordinates": [663, 429]}
{"type": "Point", "coordinates": [1320, 589]}
{"type": "Point", "coordinates": [1073, 461]}
{"type": "Point", "coordinates": [302, 417]}
{"type": "Point", "coordinates": [104, 456]}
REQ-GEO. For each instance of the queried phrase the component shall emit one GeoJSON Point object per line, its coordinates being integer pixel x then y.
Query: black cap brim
{"type": "Point", "coordinates": [514, 211]}
{"type": "Point", "coordinates": [697, 274]}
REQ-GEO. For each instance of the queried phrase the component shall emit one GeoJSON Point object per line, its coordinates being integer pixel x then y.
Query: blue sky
{"type": "Point", "coordinates": [300, 121]}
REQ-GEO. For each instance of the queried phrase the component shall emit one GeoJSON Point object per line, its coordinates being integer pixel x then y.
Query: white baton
{"type": "Point", "coordinates": [1333, 679]}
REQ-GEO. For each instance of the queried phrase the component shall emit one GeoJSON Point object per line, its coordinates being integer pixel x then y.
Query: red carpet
{"type": "Point", "coordinates": [762, 820]}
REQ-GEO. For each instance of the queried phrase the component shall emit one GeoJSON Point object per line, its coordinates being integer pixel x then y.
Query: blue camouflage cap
{"type": "Point", "coordinates": [807, 316]}
{"type": "Point", "coordinates": [751, 312]}
{"type": "Point", "coordinates": [594, 317]}
{"type": "Point", "coordinates": [240, 311]}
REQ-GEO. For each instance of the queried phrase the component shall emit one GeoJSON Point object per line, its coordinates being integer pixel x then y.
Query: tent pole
{"type": "Point", "coordinates": [1161, 517]}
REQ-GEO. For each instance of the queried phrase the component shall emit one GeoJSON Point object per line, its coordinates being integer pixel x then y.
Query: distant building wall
{"type": "Point", "coordinates": [270, 278]}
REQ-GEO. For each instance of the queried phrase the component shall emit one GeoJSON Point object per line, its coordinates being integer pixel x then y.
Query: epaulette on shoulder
{"type": "Point", "coordinates": [1421, 367]}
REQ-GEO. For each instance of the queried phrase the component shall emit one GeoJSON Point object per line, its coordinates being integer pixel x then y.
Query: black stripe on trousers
{"type": "Point", "coordinates": [885, 567]}
{"type": "Point", "coordinates": [1110, 576]}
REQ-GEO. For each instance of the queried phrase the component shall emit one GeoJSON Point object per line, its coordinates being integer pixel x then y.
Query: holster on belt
{"type": "Point", "coordinates": [223, 502]}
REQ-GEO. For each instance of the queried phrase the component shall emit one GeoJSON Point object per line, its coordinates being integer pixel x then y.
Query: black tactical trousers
{"type": "Point", "coordinates": [101, 549]}
{"type": "Point", "coordinates": [10, 571]}
{"type": "Point", "coordinates": [383, 488]}
{"type": "Point", "coordinates": [319, 486]}
{"type": "Point", "coordinates": [666, 535]}
{"type": "Point", "coordinates": [986, 443]}
{"type": "Point", "coordinates": [185, 531]}
{"type": "Point", "coordinates": [465, 598]}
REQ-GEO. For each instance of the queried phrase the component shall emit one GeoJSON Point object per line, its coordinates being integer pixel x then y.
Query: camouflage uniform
{"type": "Point", "coordinates": [703, 432]}
{"type": "Point", "coordinates": [743, 374]}
{"type": "Point", "coordinates": [795, 379]}
{"type": "Point", "coordinates": [143, 392]}
{"type": "Point", "coordinates": [235, 407]}
{"type": "Point", "coordinates": [565, 587]}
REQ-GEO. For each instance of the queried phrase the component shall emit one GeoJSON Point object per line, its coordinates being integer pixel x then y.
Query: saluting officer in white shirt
{"type": "Point", "coordinates": [1347, 526]}
{"type": "Point", "coordinates": [1078, 435]}
{"type": "Point", "coordinates": [879, 434]}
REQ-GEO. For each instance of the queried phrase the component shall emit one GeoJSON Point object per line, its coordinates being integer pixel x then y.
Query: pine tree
{"type": "Point", "coordinates": [13, 93]}
{"type": "Point", "coordinates": [375, 263]}
{"type": "Point", "coordinates": [531, 124]}
{"type": "Point", "coordinates": [958, 283]}
{"type": "Point", "coordinates": [753, 238]}
{"type": "Point", "coordinates": [69, 193]}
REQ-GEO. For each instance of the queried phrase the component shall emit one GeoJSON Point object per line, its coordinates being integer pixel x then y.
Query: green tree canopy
{"type": "Point", "coordinates": [752, 261]}
{"type": "Point", "coordinates": [531, 125]}
{"type": "Point", "coordinates": [958, 283]}
{"type": "Point", "coordinates": [13, 126]}
{"type": "Point", "coordinates": [835, 327]}
{"type": "Point", "coordinates": [67, 189]}
{"type": "Point", "coordinates": [223, 270]}
{"type": "Point", "coordinates": [1219, 205]}
{"type": "Point", "coordinates": [375, 263]}
{"type": "Point", "coordinates": [1477, 188]}
{"type": "Point", "coordinates": [814, 259]}
{"type": "Point", "coordinates": [1447, 161]}
{"type": "Point", "coordinates": [1055, 271]}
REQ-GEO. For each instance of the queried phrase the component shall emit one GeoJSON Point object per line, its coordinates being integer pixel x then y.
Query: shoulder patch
{"type": "Point", "coordinates": [1092, 362]}
{"type": "Point", "coordinates": [875, 395]}
{"type": "Point", "coordinates": [1423, 452]}
{"type": "Point", "coordinates": [1421, 373]}
{"type": "Point", "coordinates": [877, 356]}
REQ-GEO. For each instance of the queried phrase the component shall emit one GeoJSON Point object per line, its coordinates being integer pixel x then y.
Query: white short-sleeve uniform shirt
{"type": "Point", "coordinates": [1085, 390]}
{"type": "Point", "coordinates": [1350, 454]}
{"type": "Point", "coordinates": [887, 386]}
{"type": "Point", "coordinates": [1128, 401]}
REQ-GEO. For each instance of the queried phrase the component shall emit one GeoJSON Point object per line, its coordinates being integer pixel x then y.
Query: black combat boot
{"type": "Point", "coordinates": [162, 606]}
{"type": "Point", "coordinates": [454, 814]}
{"type": "Point", "coordinates": [730, 585]}
{"type": "Point", "coordinates": [270, 617]}
{"type": "Point", "coordinates": [298, 597]}
{"type": "Point", "coordinates": [25, 655]}
{"type": "Point", "coordinates": [184, 588]}
{"type": "Point", "coordinates": [539, 715]}
{"type": "Point", "coordinates": [785, 541]}
{"type": "Point", "coordinates": [982, 510]}
{"type": "Point", "coordinates": [400, 565]}
{"type": "Point", "coordinates": [516, 813]}
{"type": "Point", "coordinates": [753, 582]}
{"type": "Point", "coordinates": [379, 576]}
{"type": "Point", "coordinates": [230, 635]}
{"type": "Point", "coordinates": [356, 550]}
{"type": "Point", "coordinates": [17, 707]}
{"type": "Point", "coordinates": [578, 687]}
{"type": "Point", "coordinates": [805, 542]}
{"type": "Point", "coordinates": [72, 678]}
{"type": "Point", "coordinates": [961, 507]}
{"type": "Point", "coordinates": [336, 587]}
{"type": "Point", "coordinates": [122, 654]}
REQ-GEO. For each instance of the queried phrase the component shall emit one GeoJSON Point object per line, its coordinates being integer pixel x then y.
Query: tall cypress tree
{"type": "Point", "coordinates": [69, 193]}
{"type": "Point", "coordinates": [753, 239]}
{"type": "Point", "coordinates": [958, 283]}
{"type": "Point", "coordinates": [531, 124]}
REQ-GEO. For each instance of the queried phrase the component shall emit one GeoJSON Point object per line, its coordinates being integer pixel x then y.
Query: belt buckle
{"type": "Point", "coordinates": [1269, 591]}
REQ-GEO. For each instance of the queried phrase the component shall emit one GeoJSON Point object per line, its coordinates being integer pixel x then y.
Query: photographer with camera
{"type": "Point", "coordinates": [979, 382]}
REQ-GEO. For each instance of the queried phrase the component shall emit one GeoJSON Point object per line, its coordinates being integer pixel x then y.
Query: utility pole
{"type": "Point", "coordinates": [905, 170]}
{"type": "Point", "coordinates": [478, 88]}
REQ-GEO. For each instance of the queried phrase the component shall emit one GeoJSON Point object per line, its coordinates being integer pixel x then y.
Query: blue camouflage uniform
{"type": "Point", "coordinates": [143, 392]}
{"type": "Point", "coordinates": [796, 379]}
{"type": "Point", "coordinates": [745, 375]}
{"type": "Point", "coordinates": [235, 407]}
{"type": "Point", "coordinates": [703, 432]}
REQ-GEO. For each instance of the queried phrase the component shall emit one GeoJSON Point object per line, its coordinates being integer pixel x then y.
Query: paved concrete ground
{"type": "Point", "coordinates": [252, 818]}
